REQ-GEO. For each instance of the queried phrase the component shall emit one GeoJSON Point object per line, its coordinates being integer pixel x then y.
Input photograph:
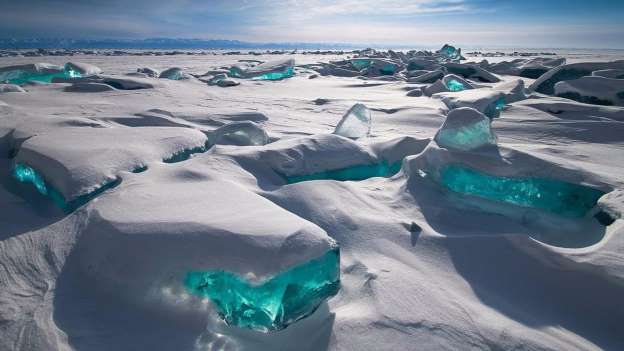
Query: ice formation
{"type": "Point", "coordinates": [83, 69]}
{"type": "Point", "coordinates": [356, 123]}
{"type": "Point", "coordinates": [39, 72]}
{"type": "Point", "coordinates": [244, 133]}
{"type": "Point", "coordinates": [593, 90]}
{"type": "Point", "coordinates": [353, 173]}
{"type": "Point", "coordinates": [546, 83]}
{"type": "Point", "coordinates": [528, 68]}
{"type": "Point", "coordinates": [173, 73]}
{"type": "Point", "coordinates": [471, 71]}
{"type": "Point", "coordinates": [450, 53]}
{"type": "Point", "coordinates": [271, 70]}
{"type": "Point", "coordinates": [487, 101]}
{"type": "Point", "coordinates": [148, 71]}
{"type": "Point", "coordinates": [566, 199]}
{"type": "Point", "coordinates": [272, 304]}
{"type": "Point", "coordinates": [465, 129]}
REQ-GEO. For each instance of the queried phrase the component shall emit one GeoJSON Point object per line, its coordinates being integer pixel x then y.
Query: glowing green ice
{"type": "Point", "coordinates": [466, 137]}
{"type": "Point", "coordinates": [287, 73]}
{"type": "Point", "coordinates": [27, 174]}
{"type": "Point", "coordinates": [354, 173]}
{"type": "Point", "coordinates": [21, 77]}
{"type": "Point", "coordinates": [387, 69]}
{"type": "Point", "coordinates": [566, 199]}
{"type": "Point", "coordinates": [275, 303]}
{"type": "Point", "coordinates": [454, 85]}
{"type": "Point", "coordinates": [360, 64]}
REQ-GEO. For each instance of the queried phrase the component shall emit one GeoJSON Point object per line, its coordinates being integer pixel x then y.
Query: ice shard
{"type": "Point", "coordinates": [465, 129]}
{"type": "Point", "coordinates": [562, 198]}
{"type": "Point", "coordinates": [272, 304]}
{"type": "Point", "coordinates": [356, 123]}
{"type": "Point", "coordinates": [455, 85]}
{"type": "Point", "coordinates": [244, 133]}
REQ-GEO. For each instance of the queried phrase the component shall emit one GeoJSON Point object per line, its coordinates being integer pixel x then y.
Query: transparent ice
{"type": "Point", "coordinates": [356, 123]}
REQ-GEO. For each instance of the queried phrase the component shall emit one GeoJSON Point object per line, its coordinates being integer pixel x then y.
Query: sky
{"type": "Point", "coordinates": [502, 23]}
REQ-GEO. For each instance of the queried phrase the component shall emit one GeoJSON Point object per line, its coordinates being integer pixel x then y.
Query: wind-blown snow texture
{"type": "Point", "coordinates": [465, 199]}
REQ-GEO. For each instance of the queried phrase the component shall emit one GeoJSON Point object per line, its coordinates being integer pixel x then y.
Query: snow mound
{"type": "Point", "coordinates": [465, 129]}
{"type": "Point", "coordinates": [174, 73]}
{"type": "Point", "coordinates": [11, 88]}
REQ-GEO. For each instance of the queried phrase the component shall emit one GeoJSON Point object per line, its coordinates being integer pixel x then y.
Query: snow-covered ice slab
{"type": "Point", "coordinates": [261, 266]}
{"type": "Point", "coordinates": [78, 161]}
{"type": "Point", "coordinates": [546, 83]}
{"type": "Point", "coordinates": [487, 101]}
{"type": "Point", "coordinates": [593, 90]}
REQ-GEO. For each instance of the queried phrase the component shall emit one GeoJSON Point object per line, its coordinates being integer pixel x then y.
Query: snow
{"type": "Point", "coordinates": [426, 261]}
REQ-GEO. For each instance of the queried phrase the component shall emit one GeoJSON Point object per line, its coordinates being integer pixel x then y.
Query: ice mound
{"type": "Point", "coordinates": [593, 90]}
{"type": "Point", "coordinates": [450, 53]}
{"type": "Point", "coordinates": [612, 204]}
{"type": "Point", "coordinates": [489, 102]}
{"type": "Point", "coordinates": [275, 303]}
{"type": "Point", "coordinates": [126, 83]}
{"type": "Point", "coordinates": [609, 73]}
{"type": "Point", "coordinates": [513, 90]}
{"type": "Point", "coordinates": [450, 82]}
{"type": "Point", "coordinates": [471, 71]}
{"type": "Point", "coordinates": [222, 80]}
{"type": "Point", "coordinates": [427, 77]}
{"type": "Point", "coordinates": [546, 83]}
{"type": "Point", "coordinates": [37, 72]}
{"type": "Point", "coordinates": [271, 70]}
{"type": "Point", "coordinates": [356, 123]}
{"type": "Point", "coordinates": [174, 73]}
{"type": "Point", "coordinates": [243, 133]}
{"type": "Point", "coordinates": [562, 198]}
{"type": "Point", "coordinates": [465, 129]}
{"type": "Point", "coordinates": [77, 161]}
{"type": "Point", "coordinates": [148, 71]}
{"type": "Point", "coordinates": [83, 69]}
{"type": "Point", "coordinates": [89, 87]}
{"type": "Point", "coordinates": [376, 66]}
{"type": "Point", "coordinates": [261, 266]}
{"type": "Point", "coordinates": [420, 64]}
{"type": "Point", "coordinates": [528, 68]}
{"type": "Point", "coordinates": [11, 88]}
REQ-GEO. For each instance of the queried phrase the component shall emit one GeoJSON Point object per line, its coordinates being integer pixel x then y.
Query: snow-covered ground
{"type": "Point", "coordinates": [183, 176]}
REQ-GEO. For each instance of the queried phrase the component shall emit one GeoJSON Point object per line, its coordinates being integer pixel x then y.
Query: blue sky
{"type": "Point", "coordinates": [528, 23]}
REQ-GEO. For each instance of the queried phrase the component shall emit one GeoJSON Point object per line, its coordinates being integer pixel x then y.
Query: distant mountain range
{"type": "Point", "coordinates": [158, 43]}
